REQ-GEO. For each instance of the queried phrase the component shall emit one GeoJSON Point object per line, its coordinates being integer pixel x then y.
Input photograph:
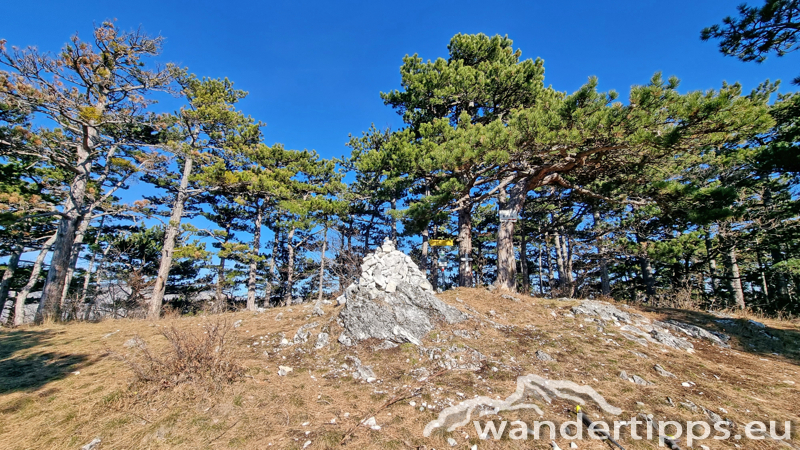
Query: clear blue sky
{"type": "Point", "coordinates": [314, 69]}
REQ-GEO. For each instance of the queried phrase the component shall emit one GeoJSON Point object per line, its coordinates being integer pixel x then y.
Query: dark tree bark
{"type": "Point", "coordinates": [647, 276]}
{"type": "Point", "coordinates": [523, 263]}
{"type": "Point", "coordinates": [541, 271]}
{"type": "Point", "coordinates": [781, 288]}
{"type": "Point", "coordinates": [220, 284]}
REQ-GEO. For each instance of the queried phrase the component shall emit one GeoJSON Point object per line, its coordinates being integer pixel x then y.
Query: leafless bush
{"type": "Point", "coordinates": [204, 358]}
{"type": "Point", "coordinates": [680, 298]}
{"type": "Point", "coordinates": [346, 264]}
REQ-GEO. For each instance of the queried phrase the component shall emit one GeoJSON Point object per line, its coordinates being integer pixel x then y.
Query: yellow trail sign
{"type": "Point", "coordinates": [441, 242]}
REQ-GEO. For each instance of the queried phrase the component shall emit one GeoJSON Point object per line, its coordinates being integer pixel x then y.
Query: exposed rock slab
{"type": "Point", "coordinates": [719, 339]}
{"type": "Point", "coordinates": [405, 315]}
{"type": "Point", "coordinates": [663, 372]}
{"type": "Point", "coordinates": [639, 328]}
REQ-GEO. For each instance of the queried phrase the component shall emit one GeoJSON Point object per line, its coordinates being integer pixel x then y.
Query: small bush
{"type": "Point", "coordinates": [203, 357]}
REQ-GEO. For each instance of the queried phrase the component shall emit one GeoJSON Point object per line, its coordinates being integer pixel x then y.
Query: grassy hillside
{"type": "Point", "coordinates": [63, 385]}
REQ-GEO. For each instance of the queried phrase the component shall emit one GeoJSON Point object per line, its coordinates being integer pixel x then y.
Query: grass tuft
{"type": "Point", "coordinates": [205, 359]}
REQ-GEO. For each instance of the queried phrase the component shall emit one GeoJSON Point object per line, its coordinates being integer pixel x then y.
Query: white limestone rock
{"type": "Point", "coordinates": [395, 303]}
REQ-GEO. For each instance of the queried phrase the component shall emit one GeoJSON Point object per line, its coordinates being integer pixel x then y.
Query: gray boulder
{"type": "Point", "coordinates": [718, 339]}
{"type": "Point", "coordinates": [392, 301]}
{"type": "Point", "coordinates": [304, 332]}
{"type": "Point", "coordinates": [405, 315]}
{"type": "Point", "coordinates": [542, 356]}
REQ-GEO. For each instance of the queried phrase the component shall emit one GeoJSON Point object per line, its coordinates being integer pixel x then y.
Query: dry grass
{"type": "Point", "coordinates": [206, 360]}
{"type": "Point", "coordinates": [44, 405]}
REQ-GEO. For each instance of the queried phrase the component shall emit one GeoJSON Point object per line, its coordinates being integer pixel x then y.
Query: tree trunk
{"type": "Point", "coordinates": [394, 222]}
{"type": "Point", "coordinates": [605, 284]}
{"type": "Point", "coordinates": [62, 248]}
{"type": "Point", "coordinates": [435, 269]}
{"type": "Point", "coordinates": [562, 271]}
{"type": "Point", "coordinates": [88, 277]}
{"type": "Point", "coordinates": [567, 251]}
{"type": "Point", "coordinates": [566, 255]}
{"type": "Point", "coordinates": [548, 263]}
{"type": "Point", "coordinates": [287, 294]}
{"type": "Point", "coordinates": [251, 279]}
{"type": "Point", "coordinates": [353, 270]}
{"type": "Point", "coordinates": [712, 266]}
{"type": "Point", "coordinates": [322, 266]}
{"type": "Point", "coordinates": [272, 268]}
{"type": "Point", "coordinates": [465, 247]}
{"type": "Point", "coordinates": [77, 245]}
{"type": "Point", "coordinates": [368, 233]}
{"type": "Point", "coordinates": [220, 284]}
{"type": "Point", "coordinates": [763, 272]}
{"type": "Point", "coordinates": [22, 295]}
{"type": "Point", "coordinates": [480, 263]}
{"type": "Point", "coordinates": [170, 236]}
{"type": "Point", "coordinates": [781, 290]}
{"type": "Point", "coordinates": [712, 272]}
{"type": "Point", "coordinates": [605, 288]}
{"type": "Point", "coordinates": [541, 274]}
{"type": "Point", "coordinates": [647, 276]}
{"type": "Point", "coordinates": [506, 261]}
{"type": "Point", "coordinates": [13, 262]}
{"type": "Point", "coordinates": [523, 264]}
{"type": "Point", "coordinates": [424, 261]}
{"type": "Point", "coordinates": [425, 245]}
{"type": "Point", "coordinates": [646, 268]}
{"type": "Point", "coordinates": [735, 280]}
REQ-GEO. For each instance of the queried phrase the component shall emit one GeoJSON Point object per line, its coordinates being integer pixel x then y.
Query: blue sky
{"type": "Point", "coordinates": [314, 70]}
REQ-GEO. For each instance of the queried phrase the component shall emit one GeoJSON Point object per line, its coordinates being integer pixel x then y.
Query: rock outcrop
{"type": "Point", "coordinates": [392, 301]}
{"type": "Point", "coordinates": [639, 328]}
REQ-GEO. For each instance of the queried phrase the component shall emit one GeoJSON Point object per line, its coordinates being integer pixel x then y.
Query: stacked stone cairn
{"type": "Point", "coordinates": [391, 301]}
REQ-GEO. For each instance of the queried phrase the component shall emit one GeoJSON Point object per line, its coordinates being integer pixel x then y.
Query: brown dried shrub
{"type": "Point", "coordinates": [205, 357]}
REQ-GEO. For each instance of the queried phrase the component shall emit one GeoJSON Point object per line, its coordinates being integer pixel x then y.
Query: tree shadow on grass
{"type": "Point", "coordinates": [746, 335]}
{"type": "Point", "coordinates": [22, 371]}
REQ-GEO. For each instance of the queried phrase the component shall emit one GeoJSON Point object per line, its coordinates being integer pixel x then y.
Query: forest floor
{"type": "Point", "coordinates": [61, 386]}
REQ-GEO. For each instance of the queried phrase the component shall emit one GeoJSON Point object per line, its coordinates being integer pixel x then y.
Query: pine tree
{"type": "Point", "coordinates": [758, 31]}
{"type": "Point", "coordinates": [202, 133]}
{"type": "Point", "coordinates": [93, 93]}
